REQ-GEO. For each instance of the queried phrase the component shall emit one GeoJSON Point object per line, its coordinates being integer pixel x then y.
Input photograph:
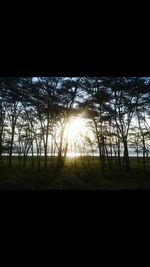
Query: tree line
{"type": "Point", "coordinates": [34, 112]}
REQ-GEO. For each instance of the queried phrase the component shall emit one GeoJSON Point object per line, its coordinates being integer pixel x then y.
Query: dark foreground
{"type": "Point", "coordinates": [73, 175]}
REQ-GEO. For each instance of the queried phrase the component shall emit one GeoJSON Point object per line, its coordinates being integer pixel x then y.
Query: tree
{"type": "Point", "coordinates": [95, 106]}
{"type": "Point", "coordinates": [125, 98]}
{"type": "Point", "coordinates": [12, 96]}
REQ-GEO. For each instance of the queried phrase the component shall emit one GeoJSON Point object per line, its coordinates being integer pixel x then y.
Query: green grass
{"type": "Point", "coordinates": [79, 176]}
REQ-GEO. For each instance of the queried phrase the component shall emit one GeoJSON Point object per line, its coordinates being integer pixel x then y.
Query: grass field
{"type": "Point", "coordinates": [76, 174]}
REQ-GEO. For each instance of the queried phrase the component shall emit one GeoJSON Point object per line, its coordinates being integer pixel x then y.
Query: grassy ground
{"type": "Point", "coordinates": [74, 175]}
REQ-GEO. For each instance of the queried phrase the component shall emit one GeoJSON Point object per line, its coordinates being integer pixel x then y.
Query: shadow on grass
{"type": "Point", "coordinates": [71, 177]}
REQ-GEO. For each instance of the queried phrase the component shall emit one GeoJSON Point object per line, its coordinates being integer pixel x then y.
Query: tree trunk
{"type": "Point", "coordinates": [126, 155]}
{"type": "Point", "coordinates": [11, 146]}
{"type": "Point", "coordinates": [46, 148]}
{"type": "Point", "coordinates": [108, 158]}
{"type": "Point", "coordinates": [137, 154]}
{"type": "Point", "coordinates": [1, 157]}
{"type": "Point", "coordinates": [32, 163]}
{"type": "Point", "coordinates": [144, 150]}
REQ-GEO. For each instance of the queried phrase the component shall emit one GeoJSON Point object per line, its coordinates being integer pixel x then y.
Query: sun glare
{"type": "Point", "coordinates": [75, 133]}
{"type": "Point", "coordinates": [75, 129]}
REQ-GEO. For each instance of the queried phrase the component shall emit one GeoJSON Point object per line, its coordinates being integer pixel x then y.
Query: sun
{"type": "Point", "coordinates": [76, 131]}
{"type": "Point", "coordinates": [75, 128]}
